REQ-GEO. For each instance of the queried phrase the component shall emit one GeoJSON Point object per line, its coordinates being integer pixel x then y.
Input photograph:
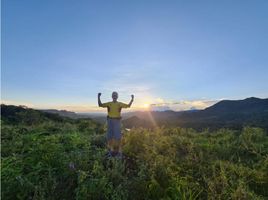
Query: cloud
{"type": "Point", "coordinates": [184, 105]}
{"type": "Point", "coordinates": [159, 108]}
{"type": "Point", "coordinates": [160, 100]}
{"type": "Point", "coordinates": [131, 78]}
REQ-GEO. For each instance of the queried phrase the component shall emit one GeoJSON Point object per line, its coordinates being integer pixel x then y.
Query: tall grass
{"type": "Point", "coordinates": [67, 161]}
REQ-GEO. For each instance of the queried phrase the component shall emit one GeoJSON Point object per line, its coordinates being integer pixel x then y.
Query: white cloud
{"type": "Point", "coordinates": [159, 108]}
{"type": "Point", "coordinates": [184, 105]}
{"type": "Point", "coordinates": [159, 100]}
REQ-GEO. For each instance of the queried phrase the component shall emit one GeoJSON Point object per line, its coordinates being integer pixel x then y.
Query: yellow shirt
{"type": "Point", "coordinates": [114, 108]}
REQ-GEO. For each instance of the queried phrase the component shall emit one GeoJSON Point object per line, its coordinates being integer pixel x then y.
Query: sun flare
{"type": "Point", "coordinates": [146, 105]}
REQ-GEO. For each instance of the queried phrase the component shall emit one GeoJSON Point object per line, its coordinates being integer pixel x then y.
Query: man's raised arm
{"type": "Point", "coordinates": [99, 101]}
{"type": "Point", "coordinates": [131, 101]}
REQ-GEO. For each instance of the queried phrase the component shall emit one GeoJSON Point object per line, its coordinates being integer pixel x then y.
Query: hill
{"type": "Point", "coordinates": [28, 117]}
{"type": "Point", "coordinates": [19, 114]}
{"type": "Point", "coordinates": [227, 113]}
{"type": "Point", "coordinates": [246, 106]}
{"type": "Point", "coordinates": [23, 115]}
{"type": "Point", "coordinates": [65, 113]}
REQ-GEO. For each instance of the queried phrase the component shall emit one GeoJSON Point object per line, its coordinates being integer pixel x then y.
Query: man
{"type": "Point", "coordinates": [114, 134]}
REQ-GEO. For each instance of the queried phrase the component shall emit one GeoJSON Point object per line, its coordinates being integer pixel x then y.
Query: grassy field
{"type": "Point", "coordinates": [59, 158]}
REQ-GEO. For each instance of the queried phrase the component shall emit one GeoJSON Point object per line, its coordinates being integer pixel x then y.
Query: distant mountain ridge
{"type": "Point", "coordinates": [65, 113]}
{"type": "Point", "coordinates": [21, 114]}
{"type": "Point", "coordinates": [247, 105]}
{"type": "Point", "coordinates": [227, 113]}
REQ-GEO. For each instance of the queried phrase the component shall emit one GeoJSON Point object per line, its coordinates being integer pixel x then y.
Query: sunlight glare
{"type": "Point", "coordinates": [146, 105]}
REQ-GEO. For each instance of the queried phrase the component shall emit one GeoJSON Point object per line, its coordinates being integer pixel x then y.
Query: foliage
{"type": "Point", "coordinates": [59, 158]}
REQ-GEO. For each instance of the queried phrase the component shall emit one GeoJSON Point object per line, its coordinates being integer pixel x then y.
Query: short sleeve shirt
{"type": "Point", "coordinates": [114, 108]}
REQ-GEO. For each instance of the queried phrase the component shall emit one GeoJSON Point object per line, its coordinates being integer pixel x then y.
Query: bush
{"type": "Point", "coordinates": [66, 160]}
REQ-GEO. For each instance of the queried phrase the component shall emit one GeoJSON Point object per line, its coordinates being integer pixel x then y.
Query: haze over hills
{"type": "Point", "coordinates": [226, 113]}
{"type": "Point", "coordinates": [64, 113]}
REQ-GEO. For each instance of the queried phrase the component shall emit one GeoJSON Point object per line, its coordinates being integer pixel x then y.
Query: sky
{"type": "Point", "coordinates": [170, 54]}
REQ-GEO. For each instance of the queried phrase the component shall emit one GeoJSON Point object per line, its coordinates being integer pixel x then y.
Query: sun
{"type": "Point", "coordinates": [146, 105]}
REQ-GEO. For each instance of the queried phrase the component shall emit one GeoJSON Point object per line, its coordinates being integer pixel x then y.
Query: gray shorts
{"type": "Point", "coordinates": [114, 129]}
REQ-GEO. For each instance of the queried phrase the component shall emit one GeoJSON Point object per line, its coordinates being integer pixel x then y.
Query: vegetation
{"type": "Point", "coordinates": [45, 156]}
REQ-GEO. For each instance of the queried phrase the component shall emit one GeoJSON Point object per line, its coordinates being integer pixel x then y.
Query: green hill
{"type": "Point", "coordinates": [234, 114]}
{"type": "Point", "coordinates": [45, 156]}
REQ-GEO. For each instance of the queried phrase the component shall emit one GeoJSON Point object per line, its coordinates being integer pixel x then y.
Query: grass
{"type": "Point", "coordinates": [66, 160]}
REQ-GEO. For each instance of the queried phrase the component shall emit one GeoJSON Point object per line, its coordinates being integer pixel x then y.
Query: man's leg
{"type": "Point", "coordinates": [118, 136]}
{"type": "Point", "coordinates": [109, 136]}
{"type": "Point", "coordinates": [110, 144]}
{"type": "Point", "coordinates": [116, 145]}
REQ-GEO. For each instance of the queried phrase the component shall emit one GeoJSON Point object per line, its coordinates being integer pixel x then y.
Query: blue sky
{"type": "Point", "coordinates": [61, 53]}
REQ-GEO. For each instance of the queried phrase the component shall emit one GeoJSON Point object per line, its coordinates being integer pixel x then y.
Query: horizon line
{"type": "Point", "coordinates": [176, 106]}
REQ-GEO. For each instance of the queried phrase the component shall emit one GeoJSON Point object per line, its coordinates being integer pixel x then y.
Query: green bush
{"type": "Point", "coordinates": [65, 159]}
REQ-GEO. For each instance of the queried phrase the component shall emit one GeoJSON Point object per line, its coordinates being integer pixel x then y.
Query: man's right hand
{"type": "Point", "coordinates": [99, 94]}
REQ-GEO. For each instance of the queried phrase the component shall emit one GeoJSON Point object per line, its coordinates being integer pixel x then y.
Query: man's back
{"type": "Point", "coordinates": [114, 108]}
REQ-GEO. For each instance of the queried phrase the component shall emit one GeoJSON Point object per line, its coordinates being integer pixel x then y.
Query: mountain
{"type": "Point", "coordinates": [16, 115]}
{"type": "Point", "coordinates": [224, 114]}
{"type": "Point", "coordinates": [65, 113]}
{"type": "Point", "coordinates": [227, 113]}
{"type": "Point", "coordinates": [249, 105]}
{"type": "Point", "coordinates": [157, 115]}
{"type": "Point", "coordinates": [22, 115]}
{"type": "Point", "coordinates": [135, 121]}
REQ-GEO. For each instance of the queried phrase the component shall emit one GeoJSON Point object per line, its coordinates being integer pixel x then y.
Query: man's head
{"type": "Point", "coordinates": [115, 96]}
